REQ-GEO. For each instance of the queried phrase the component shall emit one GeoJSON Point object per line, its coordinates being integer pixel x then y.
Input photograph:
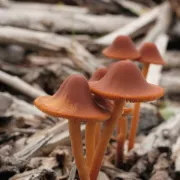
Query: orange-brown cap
{"type": "Point", "coordinates": [99, 73]}
{"type": "Point", "coordinates": [125, 81]}
{"type": "Point", "coordinates": [122, 48]}
{"type": "Point", "coordinates": [73, 100]}
{"type": "Point", "coordinates": [150, 54]}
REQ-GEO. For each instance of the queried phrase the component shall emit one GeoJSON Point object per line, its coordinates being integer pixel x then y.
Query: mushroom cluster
{"type": "Point", "coordinates": [101, 103]}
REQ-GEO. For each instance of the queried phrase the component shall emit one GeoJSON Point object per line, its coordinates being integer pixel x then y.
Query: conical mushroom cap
{"type": "Point", "coordinates": [122, 48]}
{"type": "Point", "coordinates": [99, 73]}
{"type": "Point", "coordinates": [150, 54]}
{"type": "Point", "coordinates": [125, 81]}
{"type": "Point", "coordinates": [73, 100]}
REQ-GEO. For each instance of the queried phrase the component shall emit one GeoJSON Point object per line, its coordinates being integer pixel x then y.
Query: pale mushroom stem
{"type": "Point", "coordinates": [90, 142]}
{"type": "Point", "coordinates": [134, 125]}
{"type": "Point", "coordinates": [97, 133]}
{"type": "Point", "coordinates": [77, 149]}
{"type": "Point", "coordinates": [104, 138]}
{"type": "Point", "coordinates": [135, 119]}
{"type": "Point", "coordinates": [121, 138]}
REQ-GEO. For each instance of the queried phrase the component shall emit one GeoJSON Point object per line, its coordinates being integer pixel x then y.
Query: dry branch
{"type": "Point", "coordinates": [162, 23]}
{"type": "Point", "coordinates": [164, 136]}
{"type": "Point", "coordinates": [49, 42]}
{"type": "Point", "coordinates": [46, 140]}
{"type": "Point", "coordinates": [132, 28]}
{"type": "Point", "coordinates": [170, 81]}
{"type": "Point", "coordinates": [20, 85]}
{"type": "Point", "coordinates": [172, 59]}
{"type": "Point", "coordinates": [57, 8]}
{"type": "Point", "coordinates": [134, 7]}
{"type": "Point", "coordinates": [11, 106]}
{"type": "Point", "coordinates": [55, 22]}
{"type": "Point", "coordinates": [36, 174]}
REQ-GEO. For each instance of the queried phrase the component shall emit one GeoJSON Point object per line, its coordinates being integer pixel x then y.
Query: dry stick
{"type": "Point", "coordinates": [160, 28]}
{"type": "Point", "coordinates": [163, 136]}
{"type": "Point", "coordinates": [77, 149]}
{"type": "Point", "coordinates": [49, 42]}
{"type": "Point", "coordinates": [134, 7]}
{"type": "Point", "coordinates": [132, 28]}
{"type": "Point", "coordinates": [20, 85]}
{"type": "Point", "coordinates": [53, 8]}
{"type": "Point", "coordinates": [49, 22]}
{"type": "Point", "coordinates": [104, 138]}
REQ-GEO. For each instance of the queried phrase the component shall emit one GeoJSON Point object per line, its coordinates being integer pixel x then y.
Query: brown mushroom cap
{"type": "Point", "coordinates": [99, 73]}
{"type": "Point", "coordinates": [150, 54]}
{"type": "Point", "coordinates": [122, 48]}
{"type": "Point", "coordinates": [73, 100]}
{"type": "Point", "coordinates": [125, 81]}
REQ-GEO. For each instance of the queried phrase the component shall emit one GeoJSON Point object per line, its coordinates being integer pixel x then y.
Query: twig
{"type": "Point", "coordinates": [45, 7]}
{"type": "Point", "coordinates": [29, 150]}
{"type": "Point", "coordinates": [162, 23]}
{"type": "Point", "coordinates": [72, 23]}
{"type": "Point", "coordinates": [72, 174]}
{"type": "Point", "coordinates": [20, 85]}
{"type": "Point", "coordinates": [164, 136]}
{"type": "Point", "coordinates": [134, 7]}
{"type": "Point", "coordinates": [50, 42]}
{"type": "Point", "coordinates": [132, 28]}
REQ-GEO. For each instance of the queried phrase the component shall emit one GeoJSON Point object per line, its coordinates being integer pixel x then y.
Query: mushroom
{"type": "Point", "coordinates": [99, 73]}
{"type": "Point", "coordinates": [73, 100]}
{"type": "Point", "coordinates": [122, 48]}
{"type": "Point", "coordinates": [123, 82]}
{"type": "Point", "coordinates": [149, 55]}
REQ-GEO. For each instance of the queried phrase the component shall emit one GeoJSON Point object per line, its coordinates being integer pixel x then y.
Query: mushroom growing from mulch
{"type": "Point", "coordinates": [149, 55]}
{"type": "Point", "coordinates": [67, 103]}
{"type": "Point", "coordinates": [123, 82]}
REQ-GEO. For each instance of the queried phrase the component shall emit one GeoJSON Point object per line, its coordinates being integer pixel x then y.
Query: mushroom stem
{"type": "Point", "coordinates": [77, 149]}
{"type": "Point", "coordinates": [134, 125]}
{"type": "Point", "coordinates": [90, 142]}
{"type": "Point", "coordinates": [145, 69]}
{"type": "Point", "coordinates": [105, 137]}
{"type": "Point", "coordinates": [135, 119]}
{"type": "Point", "coordinates": [97, 133]}
{"type": "Point", "coordinates": [121, 138]}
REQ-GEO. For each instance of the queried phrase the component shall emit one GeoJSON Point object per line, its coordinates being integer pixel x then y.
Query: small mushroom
{"type": "Point", "coordinates": [149, 55]}
{"type": "Point", "coordinates": [123, 82]}
{"type": "Point", "coordinates": [73, 100]}
{"type": "Point", "coordinates": [99, 73]}
{"type": "Point", "coordinates": [122, 48]}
